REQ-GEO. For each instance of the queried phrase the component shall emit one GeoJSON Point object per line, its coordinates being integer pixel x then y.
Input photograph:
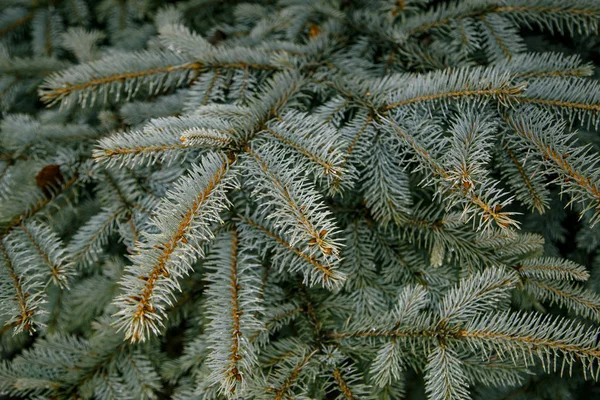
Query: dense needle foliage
{"type": "Point", "coordinates": [299, 199]}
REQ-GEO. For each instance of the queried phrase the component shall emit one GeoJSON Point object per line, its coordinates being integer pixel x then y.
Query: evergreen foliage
{"type": "Point", "coordinates": [299, 199]}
